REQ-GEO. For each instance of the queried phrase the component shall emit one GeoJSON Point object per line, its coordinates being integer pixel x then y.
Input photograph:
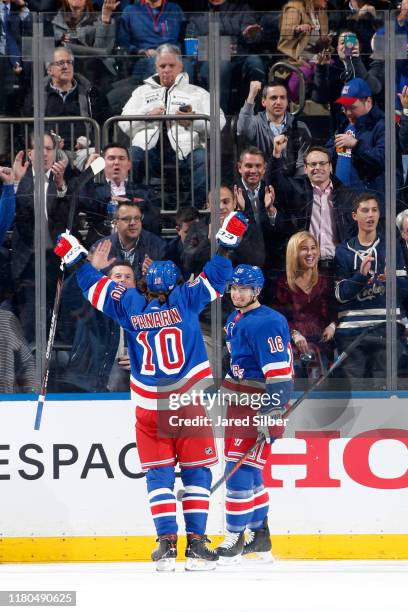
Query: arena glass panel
{"type": "Point", "coordinates": [316, 115]}
{"type": "Point", "coordinates": [164, 184]}
{"type": "Point", "coordinates": [398, 303]}
{"type": "Point", "coordinates": [314, 74]}
{"type": "Point", "coordinates": [18, 317]}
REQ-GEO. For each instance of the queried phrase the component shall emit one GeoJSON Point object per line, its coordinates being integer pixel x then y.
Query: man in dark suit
{"type": "Point", "coordinates": [115, 186]}
{"type": "Point", "coordinates": [256, 199]}
{"type": "Point", "coordinates": [56, 212]}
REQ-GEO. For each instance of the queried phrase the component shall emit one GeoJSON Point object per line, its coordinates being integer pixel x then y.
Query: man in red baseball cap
{"type": "Point", "coordinates": [359, 142]}
{"type": "Point", "coordinates": [356, 89]}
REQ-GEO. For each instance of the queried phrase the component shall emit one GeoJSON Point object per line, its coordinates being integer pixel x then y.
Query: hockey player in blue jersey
{"type": "Point", "coordinates": [361, 293]}
{"type": "Point", "coordinates": [258, 340]}
{"type": "Point", "coordinates": [167, 358]}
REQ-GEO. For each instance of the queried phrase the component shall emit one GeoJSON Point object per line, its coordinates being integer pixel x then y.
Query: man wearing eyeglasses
{"type": "Point", "coordinates": [68, 94]}
{"type": "Point", "coordinates": [317, 201]}
{"type": "Point", "coordinates": [130, 242]}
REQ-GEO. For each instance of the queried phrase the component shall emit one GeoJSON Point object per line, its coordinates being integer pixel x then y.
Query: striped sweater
{"type": "Point", "coordinates": [362, 299]}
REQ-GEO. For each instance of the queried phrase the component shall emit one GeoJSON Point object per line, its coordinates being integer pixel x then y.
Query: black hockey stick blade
{"type": "Point", "coordinates": [89, 173]}
{"type": "Point", "coordinates": [97, 166]}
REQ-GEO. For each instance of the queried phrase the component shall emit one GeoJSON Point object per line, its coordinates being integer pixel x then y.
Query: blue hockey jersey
{"type": "Point", "coordinates": [362, 298]}
{"type": "Point", "coordinates": [259, 345]}
{"type": "Point", "coordinates": [166, 348]}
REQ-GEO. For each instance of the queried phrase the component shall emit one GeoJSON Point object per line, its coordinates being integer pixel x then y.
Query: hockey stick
{"type": "Point", "coordinates": [97, 166]}
{"type": "Point", "coordinates": [261, 437]}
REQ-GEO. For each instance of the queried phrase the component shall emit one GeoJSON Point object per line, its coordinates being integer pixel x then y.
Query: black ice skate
{"type": "Point", "coordinates": [258, 545]}
{"type": "Point", "coordinates": [198, 556]}
{"type": "Point", "coordinates": [166, 553]}
{"type": "Point", "coordinates": [230, 550]}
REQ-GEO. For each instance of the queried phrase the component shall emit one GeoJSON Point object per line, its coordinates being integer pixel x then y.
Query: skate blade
{"type": "Point", "coordinates": [166, 565]}
{"type": "Point", "coordinates": [230, 560]}
{"type": "Point", "coordinates": [199, 565]}
{"type": "Point", "coordinates": [259, 557]}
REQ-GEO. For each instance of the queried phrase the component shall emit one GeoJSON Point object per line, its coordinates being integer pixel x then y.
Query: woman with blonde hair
{"type": "Point", "coordinates": [306, 298]}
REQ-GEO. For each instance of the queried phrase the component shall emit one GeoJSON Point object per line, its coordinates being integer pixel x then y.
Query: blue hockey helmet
{"type": "Point", "coordinates": [162, 276]}
{"type": "Point", "coordinates": [248, 276]}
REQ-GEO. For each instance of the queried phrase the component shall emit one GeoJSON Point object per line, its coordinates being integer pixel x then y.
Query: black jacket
{"type": "Point", "coordinates": [272, 234]}
{"type": "Point", "coordinates": [197, 248]}
{"type": "Point", "coordinates": [295, 200]}
{"type": "Point", "coordinates": [93, 201]}
{"type": "Point", "coordinates": [23, 233]}
{"type": "Point", "coordinates": [84, 100]}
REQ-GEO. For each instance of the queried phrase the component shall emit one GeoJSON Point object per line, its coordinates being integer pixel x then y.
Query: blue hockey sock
{"type": "Point", "coordinates": [239, 501]}
{"type": "Point", "coordinates": [261, 502]}
{"type": "Point", "coordinates": [196, 498]}
{"type": "Point", "coordinates": [160, 485]}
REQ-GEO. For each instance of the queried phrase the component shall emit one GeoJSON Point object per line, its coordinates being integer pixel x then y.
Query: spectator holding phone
{"type": "Point", "coordinates": [347, 64]}
{"type": "Point", "coordinates": [364, 17]}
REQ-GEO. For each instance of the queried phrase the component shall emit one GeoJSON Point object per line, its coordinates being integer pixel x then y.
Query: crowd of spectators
{"type": "Point", "coordinates": [308, 170]}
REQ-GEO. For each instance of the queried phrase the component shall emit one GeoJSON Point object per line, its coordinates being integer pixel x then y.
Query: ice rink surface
{"type": "Point", "coordinates": [286, 586]}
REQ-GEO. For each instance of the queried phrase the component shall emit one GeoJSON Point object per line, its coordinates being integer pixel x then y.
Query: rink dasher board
{"type": "Point", "coordinates": [74, 491]}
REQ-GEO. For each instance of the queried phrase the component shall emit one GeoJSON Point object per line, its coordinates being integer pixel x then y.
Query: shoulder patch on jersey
{"type": "Point", "coordinates": [117, 292]}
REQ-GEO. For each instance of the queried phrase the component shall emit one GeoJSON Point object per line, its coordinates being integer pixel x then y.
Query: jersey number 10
{"type": "Point", "coordinates": [168, 347]}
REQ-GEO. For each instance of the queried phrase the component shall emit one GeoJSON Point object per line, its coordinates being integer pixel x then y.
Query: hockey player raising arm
{"type": "Point", "coordinates": [260, 367]}
{"type": "Point", "coordinates": [166, 350]}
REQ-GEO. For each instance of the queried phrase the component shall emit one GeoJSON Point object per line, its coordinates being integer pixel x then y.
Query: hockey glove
{"type": "Point", "coordinates": [230, 233]}
{"type": "Point", "coordinates": [271, 412]}
{"type": "Point", "coordinates": [271, 424]}
{"type": "Point", "coordinates": [69, 249]}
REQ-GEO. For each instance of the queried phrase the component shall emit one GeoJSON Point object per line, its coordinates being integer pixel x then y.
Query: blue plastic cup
{"type": "Point", "coordinates": [191, 46]}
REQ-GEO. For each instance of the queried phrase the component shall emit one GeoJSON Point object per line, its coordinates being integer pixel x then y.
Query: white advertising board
{"type": "Point", "coordinates": [80, 475]}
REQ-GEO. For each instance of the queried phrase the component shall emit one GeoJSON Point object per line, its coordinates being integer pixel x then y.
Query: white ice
{"type": "Point", "coordinates": [285, 586]}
